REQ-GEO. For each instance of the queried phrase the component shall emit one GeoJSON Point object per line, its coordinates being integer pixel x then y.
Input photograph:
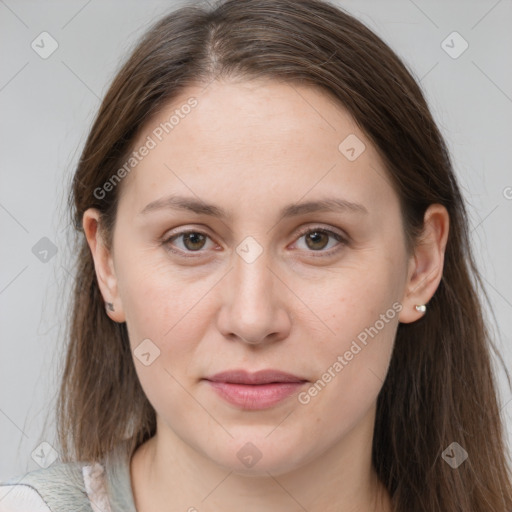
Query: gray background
{"type": "Point", "coordinates": [47, 107]}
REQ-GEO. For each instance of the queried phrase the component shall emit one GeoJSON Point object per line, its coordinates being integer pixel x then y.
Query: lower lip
{"type": "Point", "coordinates": [254, 397]}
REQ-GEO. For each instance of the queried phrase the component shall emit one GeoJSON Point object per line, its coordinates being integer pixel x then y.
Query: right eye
{"type": "Point", "coordinates": [191, 241]}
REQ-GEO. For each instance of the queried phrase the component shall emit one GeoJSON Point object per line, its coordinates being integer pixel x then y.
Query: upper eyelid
{"type": "Point", "coordinates": [334, 231]}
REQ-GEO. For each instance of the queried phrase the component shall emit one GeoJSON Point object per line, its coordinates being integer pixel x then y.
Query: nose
{"type": "Point", "coordinates": [254, 303]}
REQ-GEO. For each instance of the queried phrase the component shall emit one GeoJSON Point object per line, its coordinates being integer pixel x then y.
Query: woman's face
{"type": "Point", "coordinates": [268, 284]}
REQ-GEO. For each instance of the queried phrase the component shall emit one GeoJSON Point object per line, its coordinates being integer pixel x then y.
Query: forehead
{"type": "Point", "coordinates": [255, 142]}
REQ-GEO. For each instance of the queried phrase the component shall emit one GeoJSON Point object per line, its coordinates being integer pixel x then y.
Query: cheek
{"type": "Point", "coordinates": [364, 326]}
{"type": "Point", "coordinates": [351, 371]}
{"type": "Point", "coordinates": [355, 297]}
{"type": "Point", "coordinates": [173, 315]}
{"type": "Point", "coordinates": [360, 306]}
{"type": "Point", "coordinates": [156, 296]}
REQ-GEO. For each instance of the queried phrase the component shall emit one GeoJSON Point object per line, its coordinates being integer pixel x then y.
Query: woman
{"type": "Point", "coordinates": [275, 303]}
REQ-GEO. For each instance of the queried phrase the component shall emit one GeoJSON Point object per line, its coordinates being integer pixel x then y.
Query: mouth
{"type": "Point", "coordinates": [254, 391]}
{"type": "Point", "coordinates": [256, 378]}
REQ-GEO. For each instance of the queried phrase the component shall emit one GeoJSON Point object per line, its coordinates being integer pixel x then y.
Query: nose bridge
{"type": "Point", "coordinates": [252, 310]}
{"type": "Point", "coordinates": [253, 286]}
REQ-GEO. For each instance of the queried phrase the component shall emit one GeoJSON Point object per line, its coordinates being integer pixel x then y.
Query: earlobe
{"type": "Point", "coordinates": [103, 265]}
{"type": "Point", "coordinates": [426, 264]}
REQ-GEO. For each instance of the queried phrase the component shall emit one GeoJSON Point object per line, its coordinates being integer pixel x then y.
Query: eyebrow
{"type": "Point", "coordinates": [327, 204]}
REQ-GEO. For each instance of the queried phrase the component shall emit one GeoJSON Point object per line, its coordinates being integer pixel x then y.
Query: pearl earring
{"type": "Point", "coordinates": [421, 308]}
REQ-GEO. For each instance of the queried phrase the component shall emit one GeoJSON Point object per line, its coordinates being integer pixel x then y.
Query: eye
{"type": "Point", "coordinates": [191, 241]}
{"type": "Point", "coordinates": [316, 239]}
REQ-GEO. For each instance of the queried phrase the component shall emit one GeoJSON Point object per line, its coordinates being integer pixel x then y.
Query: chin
{"type": "Point", "coordinates": [260, 456]}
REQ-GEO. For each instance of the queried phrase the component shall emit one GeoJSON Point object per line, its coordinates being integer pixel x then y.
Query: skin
{"type": "Point", "coordinates": [252, 148]}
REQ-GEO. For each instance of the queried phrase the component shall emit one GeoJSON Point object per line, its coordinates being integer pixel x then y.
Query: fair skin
{"type": "Point", "coordinates": [252, 148]}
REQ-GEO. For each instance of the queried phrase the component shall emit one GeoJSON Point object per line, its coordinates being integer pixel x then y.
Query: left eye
{"type": "Point", "coordinates": [316, 240]}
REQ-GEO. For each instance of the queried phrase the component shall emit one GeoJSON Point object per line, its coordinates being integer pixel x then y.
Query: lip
{"type": "Point", "coordinates": [240, 376]}
{"type": "Point", "coordinates": [254, 391]}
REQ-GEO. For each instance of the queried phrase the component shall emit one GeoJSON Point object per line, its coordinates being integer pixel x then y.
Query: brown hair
{"type": "Point", "coordinates": [440, 386]}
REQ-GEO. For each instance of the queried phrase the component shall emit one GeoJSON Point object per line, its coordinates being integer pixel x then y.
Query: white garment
{"type": "Point", "coordinates": [23, 498]}
{"type": "Point", "coordinates": [73, 487]}
{"type": "Point", "coordinates": [20, 498]}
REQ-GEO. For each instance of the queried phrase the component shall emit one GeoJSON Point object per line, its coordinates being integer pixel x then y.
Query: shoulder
{"type": "Point", "coordinates": [61, 487]}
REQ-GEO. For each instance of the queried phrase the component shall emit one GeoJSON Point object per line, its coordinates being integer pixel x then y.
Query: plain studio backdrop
{"type": "Point", "coordinates": [58, 59]}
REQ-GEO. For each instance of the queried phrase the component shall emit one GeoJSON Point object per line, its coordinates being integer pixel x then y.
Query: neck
{"type": "Point", "coordinates": [166, 470]}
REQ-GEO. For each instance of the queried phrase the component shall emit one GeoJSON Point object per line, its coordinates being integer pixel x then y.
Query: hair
{"type": "Point", "coordinates": [440, 385]}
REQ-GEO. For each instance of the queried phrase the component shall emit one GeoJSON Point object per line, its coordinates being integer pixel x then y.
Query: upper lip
{"type": "Point", "coordinates": [259, 377]}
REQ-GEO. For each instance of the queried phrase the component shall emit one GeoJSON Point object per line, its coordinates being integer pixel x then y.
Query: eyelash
{"type": "Point", "coordinates": [340, 238]}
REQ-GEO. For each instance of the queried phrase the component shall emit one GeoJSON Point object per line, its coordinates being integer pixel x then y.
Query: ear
{"type": "Point", "coordinates": [103, 264]}
{"type": "Point", "coordinates": [426, 264]}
